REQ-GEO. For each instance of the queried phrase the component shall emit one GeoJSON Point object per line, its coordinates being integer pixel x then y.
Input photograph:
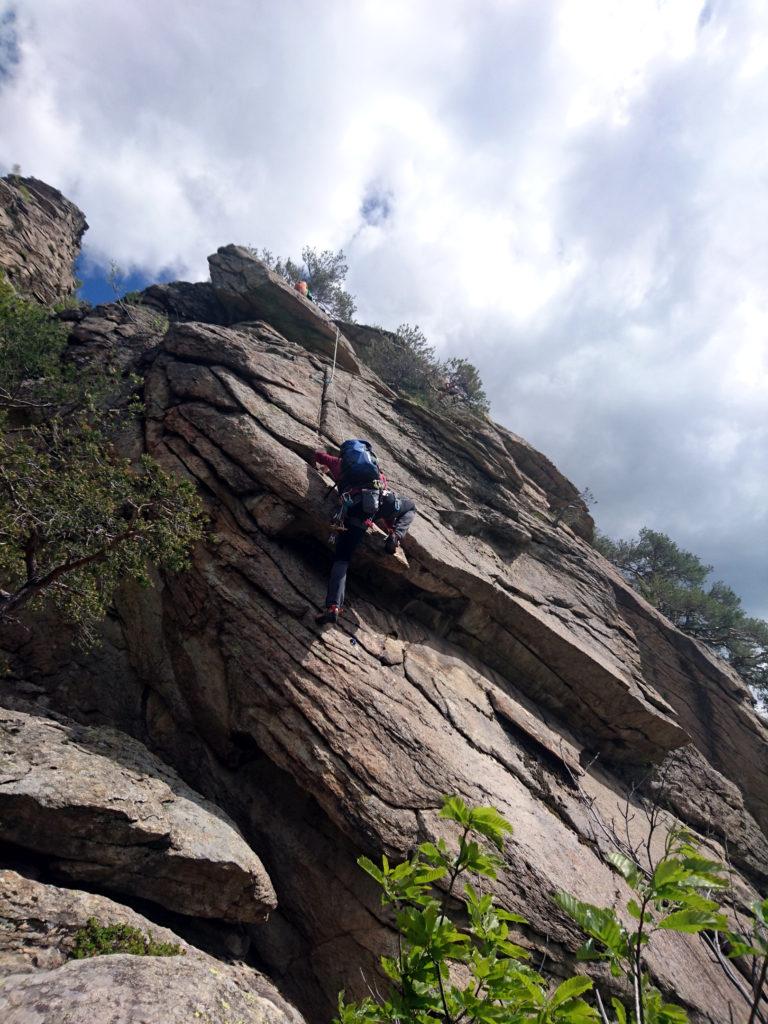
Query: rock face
{"type": "Point", "coordinates": [42, 985]}
{"type": "Point", "coordinates": [249, 290]}
{"type": "Point", "coordinates": [126, 989]}
{"type": "Point", "coordinates": [40, 923]}
{"type": "Point", "coordinates": [502, 659]}
{"type": "Point", "coordinates": [40, 234]}
{"type": "Point", "coordinates": [181, 300]}
{"type": "Point", "coordinates": [107, 812]}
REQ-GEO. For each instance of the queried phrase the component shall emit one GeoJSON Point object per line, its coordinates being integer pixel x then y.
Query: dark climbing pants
{"type": "Point", "coordinates": [405, 515]}
{"type": "Point", "coordinates": [348, 541]}
{"type": "Point", "coordinates": [346, 544]}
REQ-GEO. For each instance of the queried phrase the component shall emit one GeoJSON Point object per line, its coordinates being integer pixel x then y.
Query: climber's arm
{"type": "Point", "coordinates": [331, 463]}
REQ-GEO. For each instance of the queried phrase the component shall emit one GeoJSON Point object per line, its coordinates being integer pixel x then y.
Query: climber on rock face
{"type": "Point", "coordinates": [365, 499]}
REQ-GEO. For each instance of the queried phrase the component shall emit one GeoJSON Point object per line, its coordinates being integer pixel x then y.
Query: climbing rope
{"type": "Point", "coordinates": [331, 388]}
{"type": "Point", "coordinates": [335, 353]}
{"type": "Point", "coordinates": [328, 393]}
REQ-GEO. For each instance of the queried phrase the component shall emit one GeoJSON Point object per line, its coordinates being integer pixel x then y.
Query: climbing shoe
{"type": "Point", "coordinates": [391, 543]}
{"type": "Point", "coordinates": [331, 614]}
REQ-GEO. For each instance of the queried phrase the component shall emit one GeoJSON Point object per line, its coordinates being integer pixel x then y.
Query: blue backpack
{"type": "Point", "coordinates": [359, 467]}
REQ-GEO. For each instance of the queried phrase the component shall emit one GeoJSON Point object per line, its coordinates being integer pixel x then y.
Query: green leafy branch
{"type": "Point", "coordinates": [670, 896]}
{"type": "Point", "coordinates": [754, 945]}
{"type": "Point", "coordinates": [449, 973]}
{"type": "Point", "coordinates": [445, 974]}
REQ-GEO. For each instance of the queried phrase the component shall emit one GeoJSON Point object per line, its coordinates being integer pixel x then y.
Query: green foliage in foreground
{"type": "Point", "coordinates": [474, 972]}
{"type": "Point", "coordinates": [76, 519]}
{"type": "Point", "coordinates": [104, 940]}
{"type": "Point", "coordinates": [669, 896]}
{"type": "Point", "coordinates": [754, 947]}
{"type": "Point", "coordinates": [675, 582]}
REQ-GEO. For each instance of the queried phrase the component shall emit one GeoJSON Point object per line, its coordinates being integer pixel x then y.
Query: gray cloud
{"type": "Point", "coordinates": [573, 194]}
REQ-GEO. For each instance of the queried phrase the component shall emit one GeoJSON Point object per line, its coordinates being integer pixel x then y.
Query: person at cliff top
{"type": "Point", "coordinates": [303, 289]}
{"type": "Point", "coordinates": [366, 498]}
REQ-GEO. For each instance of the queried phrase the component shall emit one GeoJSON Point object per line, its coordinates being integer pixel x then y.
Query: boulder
{"type": "Point", "coordinates": [40, 234]}
{"type": "Point", "coordinates": [249, 290]}
{"type": "Point", "coordinates": [42, 984]}
{"type": "Point", "coordinates": [109, 813]}
{"type": "Point", "coordinates": [124, 989]}
{"type": "Point", "coordinates": [39, 923]}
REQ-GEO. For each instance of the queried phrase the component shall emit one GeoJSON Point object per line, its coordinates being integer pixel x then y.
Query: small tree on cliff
{"type": "Point", "coordinates": [405, 360]}
{"type": "Point", "coordinates": [76, 518]}
{"type": "Point", "coordinates": [675, 582]}
{"type": "Point", "coordinates": [464, 379]}
{"type": "Point", "coordinates": [325, 273]}
{"type": "Point", "coordinates": [408, 363]}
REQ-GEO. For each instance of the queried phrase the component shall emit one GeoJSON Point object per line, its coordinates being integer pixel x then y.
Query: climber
{"type": "Point", "coordinates": [303, 289]}
{"type": "Point", "coordinates": [365, 498]}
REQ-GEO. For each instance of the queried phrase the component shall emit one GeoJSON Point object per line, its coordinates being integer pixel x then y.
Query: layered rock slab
{"type": "Point", "coordinates": [40, 234]}
{"type": "Point", "coordinates": [109, 813]}
{"type": "Point", "coordinates": [40, 984]}
{"type": "Point", "coordinates": [264, 430]}
{"type": "Point", "coordinates": [249, 290]}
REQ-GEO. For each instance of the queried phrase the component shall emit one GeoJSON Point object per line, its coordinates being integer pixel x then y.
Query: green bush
{"type": "Point", "coordinates": [325, 273]}
{"type": "Point", "coordinates": [32, 344]}
{"type": "Point", "coordinates": [105, 940]}
{"type": "Point", "coordinates": [405, 361]}
{"type": "Point", "coordinates": [675, 582]}
{"type": "Point", "coordinates": [408, 364]}
{"type": "Point", "coordinates": [471, 971]}
{"type": "Point", "coordinates": [76, 519]}
{"type": "Point", "coordinates": [495, 983]}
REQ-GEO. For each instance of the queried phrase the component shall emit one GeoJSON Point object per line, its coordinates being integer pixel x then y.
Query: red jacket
{"type": "Point", "coordinates": [333, 465]}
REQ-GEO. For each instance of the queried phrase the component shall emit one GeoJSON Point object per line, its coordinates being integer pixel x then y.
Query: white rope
{"type": "Point", "coordinates": [331, 387]}
{"type": "Point", "coordinates": [335, 353]}
{"type": "Point", "coordinates": [329, 392]}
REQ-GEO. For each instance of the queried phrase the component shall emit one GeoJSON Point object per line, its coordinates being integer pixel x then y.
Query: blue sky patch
{"type": "Point", "coordinates": [98, 288]}
{"type": "Point", "coordinates": [376, 206]}
{"type": "Point", "coordinates": [10, 54]}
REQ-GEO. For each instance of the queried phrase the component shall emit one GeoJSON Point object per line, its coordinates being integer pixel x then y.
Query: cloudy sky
{"type": "Point", "coordinates": [573, 193]}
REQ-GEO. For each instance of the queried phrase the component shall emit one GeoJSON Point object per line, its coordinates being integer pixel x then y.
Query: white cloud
{"type": "Point", "coordinates": [576, 198]}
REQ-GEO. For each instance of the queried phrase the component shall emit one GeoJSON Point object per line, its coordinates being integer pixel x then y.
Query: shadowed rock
{"type": "Point", "coordinates": [110, 813]}
{"type": "Point", "coordinates": [181, 300]}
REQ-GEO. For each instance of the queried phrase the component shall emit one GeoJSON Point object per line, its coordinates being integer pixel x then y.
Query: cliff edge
{"type": "Point", "coordinates": [502, 659]}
